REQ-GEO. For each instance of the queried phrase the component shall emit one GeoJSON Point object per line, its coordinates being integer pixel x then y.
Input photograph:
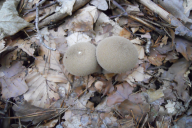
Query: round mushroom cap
{"type": "Point", "coordinates": [80, 59]}
{"type": "Point", "coordinates": [116, 54]}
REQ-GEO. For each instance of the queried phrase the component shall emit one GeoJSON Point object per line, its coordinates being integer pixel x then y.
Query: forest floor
{"type": "Point", "coordinates": [38, 91]}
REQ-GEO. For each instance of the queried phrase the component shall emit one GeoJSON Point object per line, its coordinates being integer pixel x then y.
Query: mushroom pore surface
{"type": "Point", "coordinates": [80, 59]}
{"type": "Point", "coordinates": [116, 54]}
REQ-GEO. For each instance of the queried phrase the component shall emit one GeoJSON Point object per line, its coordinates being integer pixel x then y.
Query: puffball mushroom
{"type": "Point", "coordinates": [80, 59]}
{"type": "Point", "coordinates": [116, 54]}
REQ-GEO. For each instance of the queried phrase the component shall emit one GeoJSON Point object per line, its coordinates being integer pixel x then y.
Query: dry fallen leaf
{"type": "Point", "coordinates": [124, 91]}
{"type": "Point", "coordinates": [25, 45]}
{"type": "Point", "coordinates": [41, 92]}
{"type": "Point", "coordinates": [155, 58]}
{"type": "Point", "coordinates": [74, 122]}
{"type": "Point", "coordinates": [10, 22]}
{"type": "Point", "coordinates": [184, 47]}
{"type": "Point", "coordinates": [50, 66]}
{"type": "Point", "coordinates": [154, 95]}
{"type": "Point", "coordinates": [124, 33]}
{"type": "Point", "coordinates": [51, 70]}
{"type": "Point", "coordinates": [176, 72]}
{"type": "Point", "coordinates": [83, 20]}
{"type": "Point", "coordinates": [109, 119]}
{"type": "Point", "coordinates": [137, 111]}
{"type": "Point", "coordinates": [25, 109]}
{"type": "Point", "coordinates": [141, 51]}
{"type": "Point", "coordinates": [184, 122]}
{"type": "Point", "coordinates": [12, 79]}
{"type": "Point", "coordinates": [35, 1]}
{"type": "Point", "coordinates": [59, 38]}
{"type": "Point", "coordinates": [2, 45]}
{"type": "Point", "coordinates": [164, 49]}
{"type": "Point", "coordinates": [77, 37]}
{"type": "Point", "coordinates": [67, 6]}
{"type": "Point", "coordinates": [100, 4]}
{"type": "Point", "coordinates": [175, 7]}
{"type": "Point", "coordinates": [137, 75]}
{"type": "Point", "coordinates": [104, 20]}
{"type": "Point", "coordinates": [50, 124]}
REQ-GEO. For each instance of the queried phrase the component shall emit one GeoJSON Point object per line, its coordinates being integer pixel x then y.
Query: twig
{"type": "Point", "coordinates": [140, 121]}
{"type": "Point", "coordinates": [161, 32]}
{"type": "Point", "coordinates": [104, 123]}
{"type": "Point", "coordinates": [133, 117]}
{"type": "Point", "coordinates": [37, 24]}
{"type": "Point", "coordinates": [23, 5]}
{"type": "Point", "coordinates": [119, 114]}
{"type": "Point", "coordinates": [167, 32]}
{"type": "Point", "coordinates": [181, 30]}
{"type": "Point", "coordinates": [20, 125]}
{"type": "Point", "coordinates": [6, 105]}
{"type": "Point", "coordinates": [147, 46]}
{"type": "Point", "coordinates": [119, 6]}
{"type": "Point", "coordinates": [40, 8]}
{"type": "Point", "coordinates": [59, 16]}
{"type": "Point", "coordinates": [145, 120]}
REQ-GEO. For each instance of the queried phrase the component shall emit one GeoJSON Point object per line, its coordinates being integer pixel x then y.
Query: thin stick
{"type": "Point", "coordinates": [180, 28]}
{"type": "Point", "coordinates": [140, 121]}
{"type": "Point", "coordinates": [145, 120]}
{"type": "Point", "coordinates": [133, 116]}
{"type": "Point", "coordinates": [6, 105]}
{"type": "Point", "coordinates": [40, 8]}
{"type": "Point", "coordinates": [37, 24]}
{"type": "Point", "coordinates": [26, 34]}
{"type": "Point", "coordinates": [161, 32]}
{"type": "Point", "coordinates": [148, 46]}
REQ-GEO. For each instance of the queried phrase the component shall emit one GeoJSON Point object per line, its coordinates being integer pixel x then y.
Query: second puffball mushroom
{"type": "Point", "coordinates": [116, 54]}
{"type": "Point", "coordinates": [80, 59]}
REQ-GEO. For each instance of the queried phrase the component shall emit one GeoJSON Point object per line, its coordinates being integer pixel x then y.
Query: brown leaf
{"type": "Point", "coordinates": [11, 22]}
{"type": "Point", "coordinates": [90, 105]}
{"type": "Point", "coordinates": [137, 75]}
{"type": "Point", "coordinates": [109, 119]}
{"type": "Point", "coordinates": [164, 40]}
{"type": "Point", "coordinates": [137, 111]}
{"type": "Point", "coordinates": [169, 95]}
{"type": "Point", "coordinates": [79, 90]}
{"type": "Point", "coordinates": [2, 45]}
{"type": "Point", "coordinates": [100, 4]}
{"type": "Point", "coordinates": [184, 122]}
{"type": "Point", "coordinates": [83, 20]}
{"type": "Point", "coordinates": [165, 48]}
{"type": "Point", "coordinates": [25, 45]}
{"type": "Point", "coordinates": [154, 94]}
{"type": "Point", "coordinates": [102, 20]}
{"type": "Point", "coordinates": [171, 57]}
{"type": "Point", "coordinates": [50, 67]}
{"type": "Point", "coordinates": [41, 91]}
{"type": "Point", "coordinates": [184, 47]}
{"type": "Point", "coordinates": [124, 33]}
{"type": "Point", "coordinates": [12, 80]}
{"type": "Point", "coordinates": [155, 58]}
{"type": "Point", "coordinates": [124, 91]}
{"type": "Point", "coordinates": [26, 110]}
{"type": "Point", "coordinates": [140, 50]}
{"type": "Point", "coordinates": [176, 72]}
{"type": "Point", "coordinates": [49, 124]}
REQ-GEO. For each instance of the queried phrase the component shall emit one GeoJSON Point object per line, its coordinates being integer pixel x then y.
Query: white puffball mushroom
{"type": "Point", "coordinates": [80, 59]}
{"type": "Point", "coordinates": [116, 54]}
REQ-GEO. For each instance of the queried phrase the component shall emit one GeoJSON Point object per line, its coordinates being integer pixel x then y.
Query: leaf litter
{"type": "Point", "coordinates": [37, 90]}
